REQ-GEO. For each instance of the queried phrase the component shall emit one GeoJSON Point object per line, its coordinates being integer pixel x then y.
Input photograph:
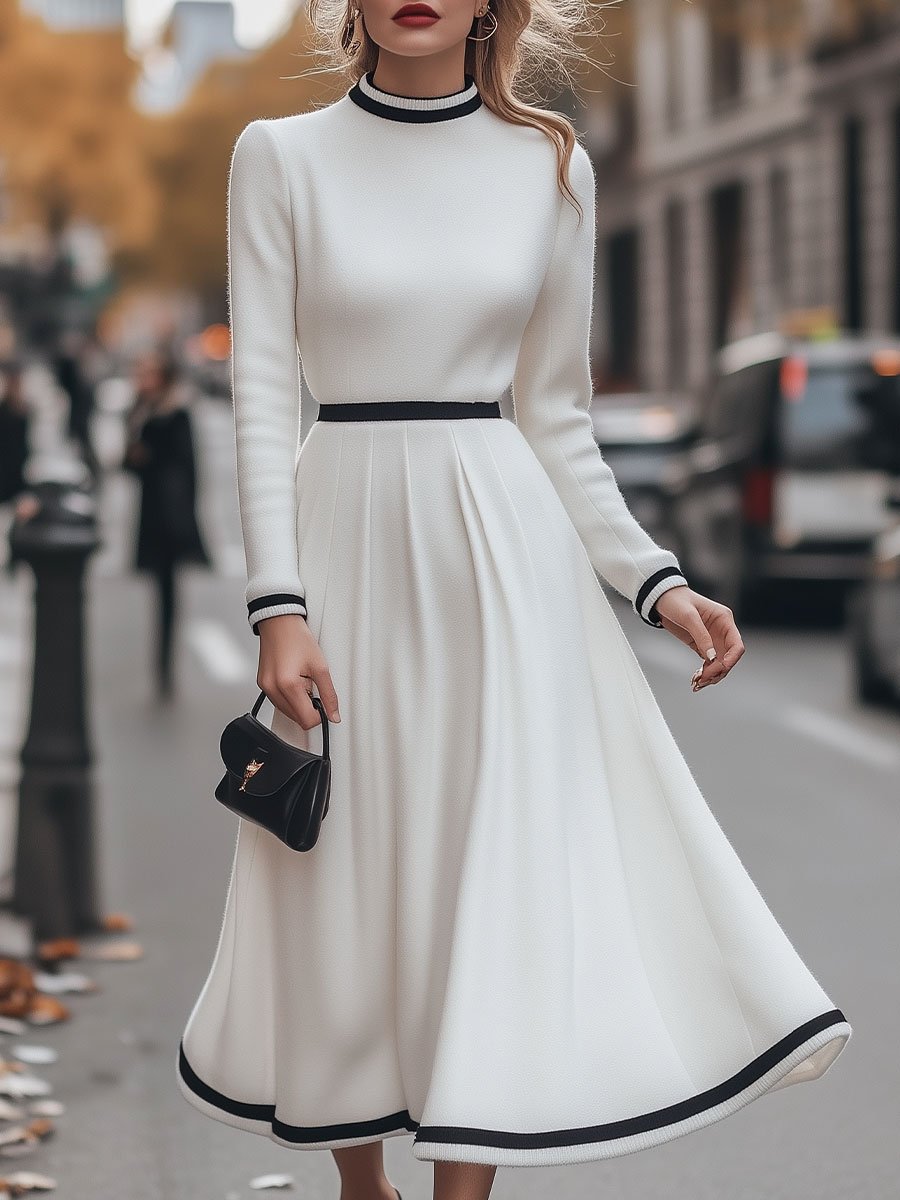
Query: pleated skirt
{"type": "Point", "coordinates": [523, 937]}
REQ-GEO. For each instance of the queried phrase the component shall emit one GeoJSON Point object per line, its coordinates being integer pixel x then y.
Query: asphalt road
{"type": "Point", "coordinates": [804, 783]}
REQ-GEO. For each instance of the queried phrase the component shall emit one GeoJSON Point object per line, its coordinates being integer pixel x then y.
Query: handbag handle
{"type": "Point", "coordinates": [317, 704]}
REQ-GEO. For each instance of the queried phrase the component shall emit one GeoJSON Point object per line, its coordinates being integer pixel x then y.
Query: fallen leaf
{"type": "Point", "coordinates": [27, 1181]}
{"type": "Point", "coordinates": [64, 981]}
{"type": "Point", "coordinates": [272, 1181]}
{"type": "Point", "coordinates": [20, 1149]}
{"type": "Point", "coordinates": [57, 948]}
{"type": "Point", "coordinates": [113, 951]}
{"type": "Point", "coordinates": [46, 1108]}
{"type": "Point", "coordinates": [24, 1085]}
{"type": "Point", "coordinates": [47, 1010]}
{"type": "Point", "coordinates": [35, 1055]}
{"type": "Point", "coordinates": [117, 922]}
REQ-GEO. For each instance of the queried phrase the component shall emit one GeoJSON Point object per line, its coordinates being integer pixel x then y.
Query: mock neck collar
{"type": "Point", "coordinates": [414, 108]}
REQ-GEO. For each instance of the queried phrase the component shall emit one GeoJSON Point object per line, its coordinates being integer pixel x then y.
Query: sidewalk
{"type": "Point", "coordinates": [164, 856]}
{"type": "Point", "coordinates": [15, 681]}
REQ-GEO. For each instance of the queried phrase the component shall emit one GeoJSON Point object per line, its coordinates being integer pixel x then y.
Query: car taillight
{"type": "Point", "coordinates": [757, 495]}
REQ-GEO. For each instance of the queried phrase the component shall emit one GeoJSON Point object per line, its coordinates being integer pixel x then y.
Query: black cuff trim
{"type": "Point", "coordinates": [649, 584]}
{"type": "Point", "coordinates": [274, 598]}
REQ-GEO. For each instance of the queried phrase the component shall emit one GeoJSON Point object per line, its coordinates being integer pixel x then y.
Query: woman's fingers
{"type": "Point", "coordinates": [728, 642]}
{"type": "Point", "coordinates": [291, 662]}
{"type": "Point", "coordinates": [707, 627]}
{"type": "Point", "coordinates": [292, 698]}
{"type": "Point", "coordinates": [733, 645]}
{"type": "Point", "coordinates": [327, 694]}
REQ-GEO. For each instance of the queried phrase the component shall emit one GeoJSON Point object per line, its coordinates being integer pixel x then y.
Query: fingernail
{"type": "Point", "coordinates": [711, 653]}
{"type": "Point", "coordinates": [336, 716]}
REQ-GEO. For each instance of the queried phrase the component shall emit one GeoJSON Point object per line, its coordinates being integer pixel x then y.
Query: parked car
{"type": "Point", "coordinates": [640, 434]}
{"type": "Point", "coordinates": [874, 619]}
{"type": "Point", "coordinates": [798, 441]}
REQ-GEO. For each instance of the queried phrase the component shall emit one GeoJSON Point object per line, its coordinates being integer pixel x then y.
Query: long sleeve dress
{"type": "Point", "coordinates": [522, 936]}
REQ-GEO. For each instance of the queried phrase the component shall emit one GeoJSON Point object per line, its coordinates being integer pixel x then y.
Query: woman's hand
{"type": "Point", "coordinates": [288, 652]}
{"type": "Point", "coordinates": [706, 627]}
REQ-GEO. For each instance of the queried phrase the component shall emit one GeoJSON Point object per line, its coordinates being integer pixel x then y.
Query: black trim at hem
{"type": "Point", "coordinates": [290, 1133]}
{"type": "Point", "coordinates": [672, 1114]}
{"type": "Point", "coordinates": [660, 1118]}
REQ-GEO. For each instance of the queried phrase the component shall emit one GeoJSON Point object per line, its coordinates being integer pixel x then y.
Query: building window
{"type": "Point", "coordinates": [779, 249]}
{"type": "Point", "coordinates": [726, 56]}
{"type": "Point", "coordinates": [729, 263]}
{"type": "Point", "coordinates": [622, 305]}
{"type": "Point", "coordinates": [676, 293]}
{"type": "Point", "coordinates": [854, 282]}
{"type": "Point", "coordinates": [780, 26]}
{"type": "Point", "coordinates": [674, 115]}
{"type": "Point", "coordinates": [895, 224]}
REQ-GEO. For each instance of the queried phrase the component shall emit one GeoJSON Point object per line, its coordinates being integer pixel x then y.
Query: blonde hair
{"type": "Point", "coordinates": [535, 42]}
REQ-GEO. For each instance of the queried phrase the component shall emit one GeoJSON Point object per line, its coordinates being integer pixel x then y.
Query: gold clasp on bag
{"type": "Point", "coordinates": [249, 771]}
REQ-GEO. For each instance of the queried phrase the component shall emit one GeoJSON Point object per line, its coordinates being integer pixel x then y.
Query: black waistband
{"type": "Point", "coordinates": [404, 410]}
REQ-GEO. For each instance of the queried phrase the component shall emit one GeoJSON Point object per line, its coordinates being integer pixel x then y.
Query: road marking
{"type": "Point", "coordinates": [839, 734]}
{"type": "Point", "coordinates": [12, 651]}
{"type": "Point", "coordinates": [221, 656]}
{"type": "Point", "coordinates": [230, 562]}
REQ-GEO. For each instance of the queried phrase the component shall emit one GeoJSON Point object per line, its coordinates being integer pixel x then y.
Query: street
{"type": "Point", "coordinates": [803, 781]}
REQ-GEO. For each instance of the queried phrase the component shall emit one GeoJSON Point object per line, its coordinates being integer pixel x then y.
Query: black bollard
{"type": "Point", "coordinates": [55, 876]}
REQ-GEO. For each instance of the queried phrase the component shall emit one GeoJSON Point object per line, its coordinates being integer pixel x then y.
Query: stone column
{"type": "Point", "coordinates": [878, 205]}
{"type": "Point", "coordinates": [652, 276]}
{"type": "Point", "coordinates": [697, 284]}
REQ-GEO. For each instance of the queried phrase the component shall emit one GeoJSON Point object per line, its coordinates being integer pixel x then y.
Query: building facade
{"type": "Point", "coordinates": [78, 14]}
{"type": "Point", "coordinates": [198, 33]}
{"type": "Point", "coordinates": [740, 180]}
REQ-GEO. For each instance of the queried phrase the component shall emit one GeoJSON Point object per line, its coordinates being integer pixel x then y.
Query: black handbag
{"type": "Point", "coordinates": [276, 785]}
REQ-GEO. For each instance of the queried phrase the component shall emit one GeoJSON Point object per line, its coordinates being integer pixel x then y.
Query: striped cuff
{"type": "Point", "coordinates": [651, 590]}
{"type": "Point", "coordinates": [275, 604]}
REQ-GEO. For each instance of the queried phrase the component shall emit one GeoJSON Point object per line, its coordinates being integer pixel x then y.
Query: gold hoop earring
{"type": "Point", "coordinates": [479, 16]}
{"type": "Point", "coordinates": [347, 34]}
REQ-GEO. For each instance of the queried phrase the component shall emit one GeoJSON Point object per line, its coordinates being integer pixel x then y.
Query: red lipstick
{"type": "Point", "coordinates": [415, 15]}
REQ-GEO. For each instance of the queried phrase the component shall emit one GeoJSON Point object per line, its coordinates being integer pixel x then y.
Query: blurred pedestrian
{"type": "Point", "coordinates": [72, 375]}
{"type": "Point", "coordinates": [14, 448]}
{"type": "Point", "coordinates": [160, 451]}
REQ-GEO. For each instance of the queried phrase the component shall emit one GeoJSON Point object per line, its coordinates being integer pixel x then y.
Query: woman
{"type": "Point", "coordinates": [14, 429]}
{"type": "Point", "coordinates": [522, 935]}
{"type": "Point", "coordinates": [160, 451]}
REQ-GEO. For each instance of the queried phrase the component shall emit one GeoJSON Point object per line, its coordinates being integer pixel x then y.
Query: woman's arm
{"type": "Point", "coordinates": [552, 390]}
{"type": "Point", "coordinates": [262, 287]}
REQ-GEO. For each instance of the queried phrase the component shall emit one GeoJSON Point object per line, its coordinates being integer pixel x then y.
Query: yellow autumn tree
{"type": "Point", "coordinates": [189, 152]}
{"type": "Point", "coordinates": [68, 132]}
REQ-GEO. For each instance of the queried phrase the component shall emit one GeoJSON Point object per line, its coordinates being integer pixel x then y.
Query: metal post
{"type": "Point", "coordinates": [55, 875]}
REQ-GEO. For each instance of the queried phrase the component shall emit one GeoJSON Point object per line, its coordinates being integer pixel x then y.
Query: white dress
{"type": "Point", "coordinates": [522, 935]}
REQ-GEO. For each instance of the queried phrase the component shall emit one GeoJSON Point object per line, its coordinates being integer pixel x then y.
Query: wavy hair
{"type": "Point", "coordinates": [536, 44]}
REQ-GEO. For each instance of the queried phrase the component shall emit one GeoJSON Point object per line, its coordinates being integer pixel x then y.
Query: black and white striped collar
{"type": "Point", "coordinates": [415, 108]}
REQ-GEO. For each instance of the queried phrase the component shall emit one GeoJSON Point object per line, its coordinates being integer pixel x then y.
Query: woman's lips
{"type": "Point", "coordinates": [416, 15]}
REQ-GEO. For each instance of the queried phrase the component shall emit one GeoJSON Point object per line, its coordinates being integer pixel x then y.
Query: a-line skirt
{"type": "Point", "coordinates": [522, 936]}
